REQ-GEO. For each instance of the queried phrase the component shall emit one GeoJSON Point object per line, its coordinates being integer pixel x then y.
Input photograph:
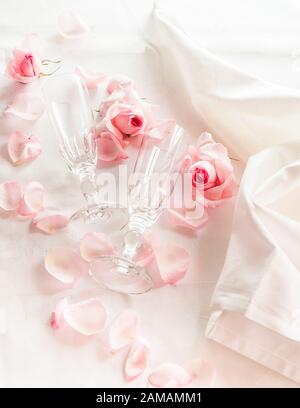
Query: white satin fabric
{"type": "Point", "coordinates": [256, 304]}
{"type": "Point", "coordinates": [256, 301]}
{"type": "Point", "coordinates": [32, 354]}
{"type": "Point", "coordinates": [247, 113]}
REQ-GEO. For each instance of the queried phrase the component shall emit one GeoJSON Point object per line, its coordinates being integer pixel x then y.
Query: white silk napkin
{"type": "Point", "coordinates": [247, 113]}
{"type": "Point", "coordinates": [256, 302]}
{"type": "Point", "coordinates": [256, 305]}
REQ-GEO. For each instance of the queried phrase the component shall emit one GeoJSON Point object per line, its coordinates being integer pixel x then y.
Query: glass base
{"type": "Point", "coordinates": [121, 275]}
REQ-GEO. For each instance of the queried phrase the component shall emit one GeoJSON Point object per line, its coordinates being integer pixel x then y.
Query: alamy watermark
{"type": "Point", "coordinates": [158, 190]}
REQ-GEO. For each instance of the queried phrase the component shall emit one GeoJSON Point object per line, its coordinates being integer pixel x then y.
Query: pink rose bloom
{"type": "Point", "coordinates": [121, 91]}
{"type": "Point", "coordinates": [128, 119]}
{"type": "Point", "coordinates": [25, 67]}
{"type": "Point", "coordinates": [211, 170]}
{"type": "Point", "coordinates": [120, 124]}
{"type": "Point", "coordinates": [123, 117]}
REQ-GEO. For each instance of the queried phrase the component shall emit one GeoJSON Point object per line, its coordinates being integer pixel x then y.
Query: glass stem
{"type": "Point", "coordinates": [134, 237]}
{"type": "Point", "coordinates": [89, 188]}
{"type": "Point", "coordinates": [133, 240]}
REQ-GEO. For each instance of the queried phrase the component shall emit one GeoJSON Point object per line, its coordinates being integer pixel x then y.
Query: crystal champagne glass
{"type": "Point", "coordinates": [71, 115]}
{"type": "Point", "coordinates": [155, 173]}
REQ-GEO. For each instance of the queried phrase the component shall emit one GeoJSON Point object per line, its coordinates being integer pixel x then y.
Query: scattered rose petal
{"type": "Point", "coordinates": [191, 220]}
{"type": "Point", "coordinates": [33, 199]}
{"type": "Point", "coordinates": [87, 317]}
{"type": "Point", "coordinates": [50, 223]}
{"type": "Point", "coordinates": [172, 260]}
{"type": "Point", "coordinates": [122, 330]}
{"type": "Point", "coordinates": [10, 195]}
{"type": "Point", "coordinates": [137, 360]}
{"type": "Point", "coordinates": [26, 106]}
{"type": "Point", "coordinates": [169, 376]}
{"type": "Point", "coordinates": [65, 264]}
{"type": "Point", "coordinates": [119, 83]}
{"type": "Point", "coordinates": [57, 318]}
{"type": "Point", "coordinates": [159, 129]}
{"type": "Point", "coordinates": [110, 148]}
{"type": "Point", "coordinates": [145, 255]}
{"type": "Point", "coordinates": [23, 148]}
{"type": "Point", "coordinates": [91, 79]}
{"type": "Point", "coordinates": [71, 26]}
{"type": "Point", "coordinates": [201, 372]}
{"type": "Point", "coordinates": [95, 244]}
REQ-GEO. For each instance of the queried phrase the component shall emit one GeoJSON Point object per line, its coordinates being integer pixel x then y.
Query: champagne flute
{"type": "Point", "coordinates": [71, 115]}
{"type": "Point", "coordinates": [156, 170]}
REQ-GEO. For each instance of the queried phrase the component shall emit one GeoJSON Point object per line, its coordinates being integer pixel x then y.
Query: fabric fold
{"type": "Point", "coordinates": [256, 303]}
{"type": "Point", "coordinates": [260, 283]}
{"type": "Point", "coordinates": [247, 113]}
{"type": "Point", "coordinates": [263, 262]}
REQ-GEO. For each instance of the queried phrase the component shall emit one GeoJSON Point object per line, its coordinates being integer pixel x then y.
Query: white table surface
{"type": "Point", "coordinates": [173, 319]}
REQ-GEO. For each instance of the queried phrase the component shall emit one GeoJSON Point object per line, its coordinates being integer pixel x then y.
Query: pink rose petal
{"type": "Point", "coordinates": [23, 148]}
{"type": "Point", "coordinates": [119, 83]}
{"type": "Point", "coordinates": [216, 195]}
{"type": "Point", "coordinates": [95, 244]}
{"type": "Point", "coordinates": [137, 360]}
{"type": "Point", "coordinates": [173, 262]}
{"type": "Point", "coordinates": [65, 264]}
{"type": "Point", "coordinates": [87, 317]}
{"type": "Point", "coordinates": [169, 375]}
{"type": "Point", "coordinates": [159, 129]}
{"type": "Point", "coordinates": [190, 220]}
{"type": "Point", "coordinates": [57, 317]}
{"type": "Point", "coordinates": [110, 148]}
{"type": "Point", "coordinates": [145, 255]}
{"type": "Point", "coordinates": [50, 223]}
{"type": "Point", "coordinates": [122, 331]}
{"type": "Point", "coordinates": [26, 106]}
{"type": "Point", "coordinates": [33, 199]}
{"type": "Point", "coordinates": [71, 26]}
{"type": "Point", "coordinates": [10, 195]}
{"type": "Point", "coordinates": [91, 79]}
{"type": "Point", "coordinates": [201, 372]}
